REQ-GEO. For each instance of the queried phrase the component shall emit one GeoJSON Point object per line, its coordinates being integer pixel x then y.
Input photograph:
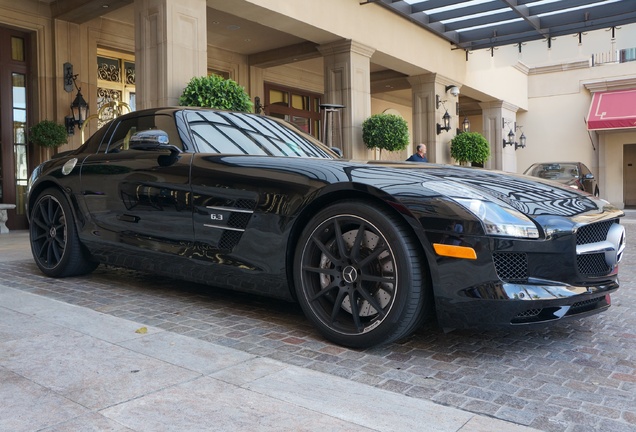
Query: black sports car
{"type": "Point", "coordinates": [368, 249]}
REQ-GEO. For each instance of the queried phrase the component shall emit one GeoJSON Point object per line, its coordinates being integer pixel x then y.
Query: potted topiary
{"type": "Point", "coordinates": [214, 91]}
{"type": "Point", "coordinates": [470, 147]}
{"type": "Point", "coordinates": [386, 132]}
{"type": "Point", "coordinates": [47, 133]}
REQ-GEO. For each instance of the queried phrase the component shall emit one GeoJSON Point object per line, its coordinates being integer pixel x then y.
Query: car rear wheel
{"type": "Point", "coordinates": [55, 245]}
{"type": "Point", "coordinates": [359, 276]}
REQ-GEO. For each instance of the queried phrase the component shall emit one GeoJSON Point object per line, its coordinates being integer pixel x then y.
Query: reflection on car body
{"type": "Point", "coordinates": [369, 249]}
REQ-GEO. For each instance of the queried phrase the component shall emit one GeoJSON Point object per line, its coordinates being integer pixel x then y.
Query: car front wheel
{"type": "Point", "coordinates": [359, 275]}
{"type": "Point", "coordinates": [55, 245]}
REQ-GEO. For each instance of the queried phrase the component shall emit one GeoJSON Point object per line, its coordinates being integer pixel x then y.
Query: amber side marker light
{"type": "Point", "coordinates": [454, 251]}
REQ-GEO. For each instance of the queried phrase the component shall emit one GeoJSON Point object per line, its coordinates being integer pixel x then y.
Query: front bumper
{"type": "Point", "coordinates": [504, 305]}
{"type": "Point", "coordinates": [523, 283]}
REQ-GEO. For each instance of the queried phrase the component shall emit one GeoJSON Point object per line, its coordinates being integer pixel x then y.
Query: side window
{"type": "Point", "coordinates": [120, 139]}
{"type": "Point", "coordinates": [249, 134]}
{"type": "Point", "coordinates": [226, 139]}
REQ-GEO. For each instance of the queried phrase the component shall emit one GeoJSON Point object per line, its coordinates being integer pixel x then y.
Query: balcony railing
{"type": "Point", "coordinates": [617, 56]}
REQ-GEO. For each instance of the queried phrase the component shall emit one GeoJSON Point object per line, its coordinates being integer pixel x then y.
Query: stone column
{"type": "Point", "coordinates": [347, 68]}
{"type": "Point", "coordinates": [170, 49]}
{"type": "Point", "coordinates": [499, 118]}
{"type": "Point", "coordinates": [426, 90]}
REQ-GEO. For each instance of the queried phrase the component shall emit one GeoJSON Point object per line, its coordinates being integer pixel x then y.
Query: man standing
{"type": "Point", "coordinates": [419, 155]}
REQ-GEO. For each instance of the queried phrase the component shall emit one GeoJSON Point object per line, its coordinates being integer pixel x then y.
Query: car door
{"type": "Point", "coordinates": [140, 198]}
{"type": "Point", "coordinates": [242, 191]}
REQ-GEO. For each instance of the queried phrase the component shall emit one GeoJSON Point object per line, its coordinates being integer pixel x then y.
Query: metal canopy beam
{"type": "Point", "coordinates": [477, 24]}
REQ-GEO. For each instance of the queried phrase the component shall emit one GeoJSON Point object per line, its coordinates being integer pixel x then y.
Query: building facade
{"type": "Point", "coordinates": [297, 55]}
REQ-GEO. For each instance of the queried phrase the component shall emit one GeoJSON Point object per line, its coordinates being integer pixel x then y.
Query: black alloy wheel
{"type": "Point", "coordinates": [54, 242]}
{"type": "Point", "coordinates": [360, 276]}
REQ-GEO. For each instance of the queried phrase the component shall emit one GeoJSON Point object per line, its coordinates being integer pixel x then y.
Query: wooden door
{"type": "Point", "coordinates": [629, 175]}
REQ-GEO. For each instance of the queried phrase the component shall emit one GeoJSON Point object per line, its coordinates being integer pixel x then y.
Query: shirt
{"type": "Point", "coordinates": [417, 158]}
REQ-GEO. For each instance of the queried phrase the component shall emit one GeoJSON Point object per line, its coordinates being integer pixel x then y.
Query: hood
{"type": "Point", "coordinates": [529, 195]}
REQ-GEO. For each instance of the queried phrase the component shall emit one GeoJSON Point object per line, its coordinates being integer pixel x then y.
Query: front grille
{"type": "Point", "coordinates": [593, 233]}
{"type": "Point", "coordinates": [511, 267]}
{"type": "Point", "coordinates": [592, 264]}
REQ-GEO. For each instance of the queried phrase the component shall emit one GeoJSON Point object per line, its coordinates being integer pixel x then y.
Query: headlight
{"type": "Point", "coordinates": [34, 175]}
{"type": "Point", "coordinates": [500, 221]}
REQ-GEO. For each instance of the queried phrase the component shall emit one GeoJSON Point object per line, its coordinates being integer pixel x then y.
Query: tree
{"type": "Point", "coordinates": [214, 91]}
{"type": "Point", "coordinates": [386, 132]}
{"type": "Point", "coordinates": [470, 147]}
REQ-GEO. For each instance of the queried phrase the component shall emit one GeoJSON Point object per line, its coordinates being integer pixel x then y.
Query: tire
{"type": "Point", "coordinates": [54, 241]}
{"type": "Point", "coordinates": [359, 276]}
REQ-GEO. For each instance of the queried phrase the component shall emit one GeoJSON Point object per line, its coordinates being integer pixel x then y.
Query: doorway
{"type": "Point", "coordinates": [14, 169]}
{"type": "Point", "coordinates": [296, 106]}
{"type": "Point", "coordinates": [629, 175]}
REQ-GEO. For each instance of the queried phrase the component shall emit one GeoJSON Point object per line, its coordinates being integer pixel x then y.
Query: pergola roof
{"type": "Point", "coordinates": [477, 24]}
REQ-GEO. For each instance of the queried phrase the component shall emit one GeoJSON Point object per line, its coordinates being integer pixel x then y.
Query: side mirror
{"type": "Point", "coordinates": [152, 139]}
{"type": "Point", "coordinates": [336, 150]}
{"type": "Point", "coordinates": [589, 176]}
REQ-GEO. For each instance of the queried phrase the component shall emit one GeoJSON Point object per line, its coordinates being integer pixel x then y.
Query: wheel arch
{"type": "Point", "coordinates": [47, 183]}
{"type": "Point", "coordinates": [364, 193]}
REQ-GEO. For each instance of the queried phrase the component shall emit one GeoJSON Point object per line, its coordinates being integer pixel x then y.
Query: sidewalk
{"type": "Point", "coordinates": [68, 368]}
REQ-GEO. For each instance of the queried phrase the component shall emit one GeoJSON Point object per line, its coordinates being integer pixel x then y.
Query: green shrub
{"type": "Point", "coordinates": [470, 147]}
{"type": "Point", "coordinates": [47, 133]}
{"type": "Point", "coordinates": [215, 92]}
{"type": "Point", "coordinates": [386, 132]}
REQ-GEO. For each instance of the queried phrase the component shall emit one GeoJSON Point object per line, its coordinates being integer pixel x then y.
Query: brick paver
{"type": "Point", "coordinates": [574, 376]}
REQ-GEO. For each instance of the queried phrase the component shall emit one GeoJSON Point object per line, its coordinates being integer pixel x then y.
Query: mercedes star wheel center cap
{"type": "Point", "coordinates": [350, 274]}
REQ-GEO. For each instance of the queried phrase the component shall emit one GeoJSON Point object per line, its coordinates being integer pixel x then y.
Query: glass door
{"type": "Point", "coordinates": [14, 151]}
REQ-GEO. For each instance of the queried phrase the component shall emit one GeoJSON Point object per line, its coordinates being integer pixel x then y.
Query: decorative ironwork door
{"type": "Point", "coordinates": [115, 84]}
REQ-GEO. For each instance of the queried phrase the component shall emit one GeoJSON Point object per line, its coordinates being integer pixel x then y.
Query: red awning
{"type": "Point", "coordinates": [612, 110]}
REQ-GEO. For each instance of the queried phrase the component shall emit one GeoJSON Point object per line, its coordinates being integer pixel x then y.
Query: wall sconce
{"type": "Point", "coordinates": [511, 137]}
{"type": "Point", "coordinates": [522, 141]}
{"type": "Point", "coordinates": [79, 107]}
{"type": "Point", "coordinates": [466, 125]}
{"type": "Point", "coordinates": [446, 119]}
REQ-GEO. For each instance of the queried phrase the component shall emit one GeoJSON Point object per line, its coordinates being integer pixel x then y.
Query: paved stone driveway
{"type": "Point", "coordinates": [575, 376]}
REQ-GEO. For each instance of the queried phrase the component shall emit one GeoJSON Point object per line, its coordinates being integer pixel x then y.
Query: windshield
{"type": "Point", "coordinates": [251, 134]}
{"type": "Point", "coordinates": [562, 172]}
